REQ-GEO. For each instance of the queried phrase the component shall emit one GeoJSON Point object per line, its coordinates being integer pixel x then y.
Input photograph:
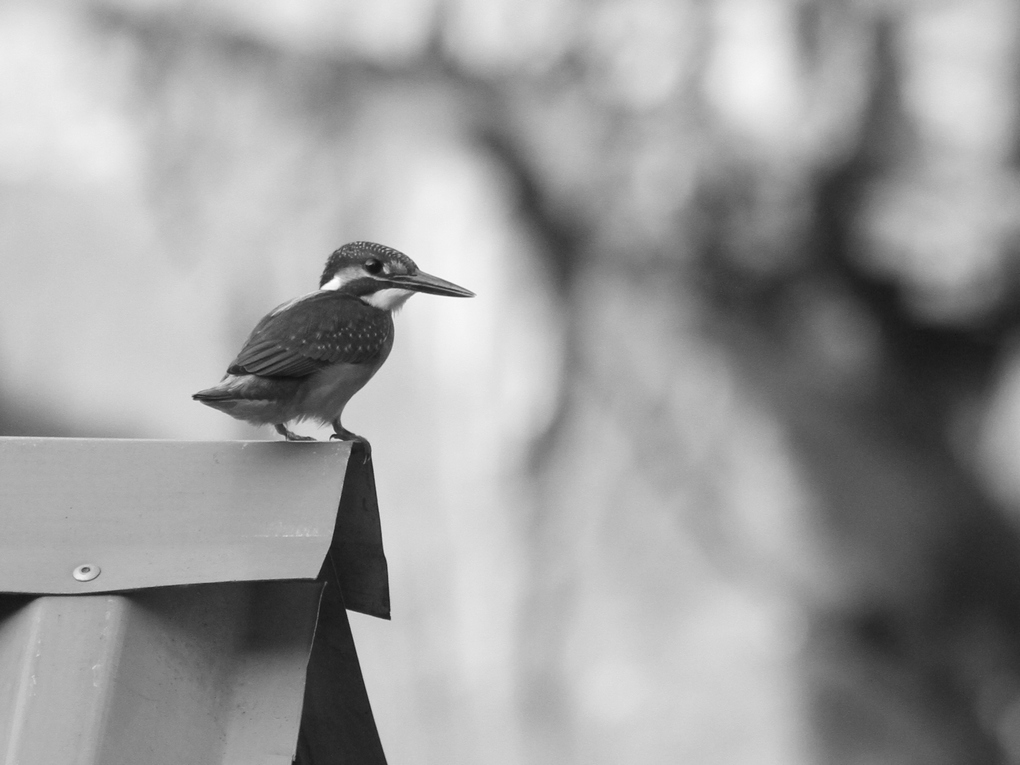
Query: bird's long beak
{"type": "Point", "coordinates": [423, 282]}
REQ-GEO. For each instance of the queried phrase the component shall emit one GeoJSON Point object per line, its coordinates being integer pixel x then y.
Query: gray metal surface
{"type": "Point", "coordinates": [199, 675]}
{"type": "Point", "coordinates": [155, 513]}
{"type": "Point", "coordinates": [189, 661]}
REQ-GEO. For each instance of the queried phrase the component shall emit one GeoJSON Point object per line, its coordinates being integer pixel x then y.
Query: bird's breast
{"type": "Point", "coordinates": [325, 393]}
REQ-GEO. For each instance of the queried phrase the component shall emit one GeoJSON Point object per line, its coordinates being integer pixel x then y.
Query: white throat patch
{"type": "Point", "coordinates": [389, 299]}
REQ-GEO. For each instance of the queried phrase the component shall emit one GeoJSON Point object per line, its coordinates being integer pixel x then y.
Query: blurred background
{"type": "Point", "coordinates": [722, 465]}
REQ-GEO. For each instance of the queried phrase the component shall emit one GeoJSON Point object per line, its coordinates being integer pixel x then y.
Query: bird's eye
{"type": "Point", "coordinates": [373, 266]}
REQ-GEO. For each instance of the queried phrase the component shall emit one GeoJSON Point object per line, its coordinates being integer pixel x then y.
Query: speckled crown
{"type": "Point", "coordinates": [355, 252]}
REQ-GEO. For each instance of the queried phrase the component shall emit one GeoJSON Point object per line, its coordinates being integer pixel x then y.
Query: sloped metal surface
{"type": "Point", "coordinates": [157, 513]}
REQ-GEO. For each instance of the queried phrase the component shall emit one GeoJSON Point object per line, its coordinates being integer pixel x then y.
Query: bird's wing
{"type": "Point", "coordinates": [308, 334]}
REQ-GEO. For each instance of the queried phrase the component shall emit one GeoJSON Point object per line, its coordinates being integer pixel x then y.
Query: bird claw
{"type": "Point", "coordinates": [342, 434]}
{"type": "Point", "coordinates": [290, 435]}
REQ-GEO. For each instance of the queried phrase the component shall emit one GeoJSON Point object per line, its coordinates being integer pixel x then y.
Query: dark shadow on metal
{"type": "Point", "coordinates": [337, 725]}
{"type": "Point", "coordinates": [359, 564]}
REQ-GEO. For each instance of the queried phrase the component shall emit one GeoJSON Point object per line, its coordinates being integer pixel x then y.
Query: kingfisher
{"type": "Point", "coordinates": [307, 357]}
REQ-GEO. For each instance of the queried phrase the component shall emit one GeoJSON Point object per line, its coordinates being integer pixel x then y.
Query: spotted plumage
{"type": "Point", "coordinates": [323, 328]}
{"type": "Point", "coordinates": [307, 357]}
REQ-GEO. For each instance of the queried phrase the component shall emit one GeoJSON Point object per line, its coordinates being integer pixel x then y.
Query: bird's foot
{"type": "Point", "coordinates": [343, 434]}
{"type": "Point", "coordinates": [290, 435]}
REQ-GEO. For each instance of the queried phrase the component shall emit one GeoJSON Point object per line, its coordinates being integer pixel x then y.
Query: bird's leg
{"type": "Point", "coordinates": [340, 433]}
{"type": "Point", "coordinates": [290, 435]}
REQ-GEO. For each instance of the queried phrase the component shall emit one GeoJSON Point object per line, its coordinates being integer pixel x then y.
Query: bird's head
{"type": "Point", "coordinates": [381, 276]}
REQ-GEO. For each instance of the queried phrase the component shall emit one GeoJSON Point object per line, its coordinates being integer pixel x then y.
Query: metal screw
{"type": "Point", "coordinates": [86, 572]}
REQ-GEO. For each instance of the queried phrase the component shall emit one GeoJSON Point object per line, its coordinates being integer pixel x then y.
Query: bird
{"type": "Point", "coordinates": [306, 358]}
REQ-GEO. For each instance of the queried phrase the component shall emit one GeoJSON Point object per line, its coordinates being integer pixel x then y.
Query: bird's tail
{"type": "Point", "coordinates": [214, 394]}
{"type": "Point", "coordinates": [246, 389]}
{"type": "Point", "coordinates": [223, 396]}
